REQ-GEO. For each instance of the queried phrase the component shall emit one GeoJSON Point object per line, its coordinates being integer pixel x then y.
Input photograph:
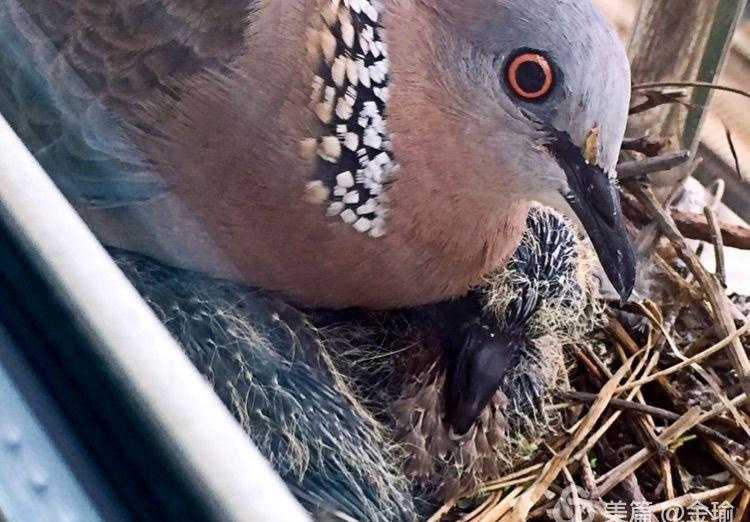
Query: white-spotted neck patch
{"type": "Point", "coordinates": [349, 97]}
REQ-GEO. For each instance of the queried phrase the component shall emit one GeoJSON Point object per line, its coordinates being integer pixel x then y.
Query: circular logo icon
{"type": "Point", "coordinates": [565, 508]}
{"type": "Point", "coordinates": [673, 514]}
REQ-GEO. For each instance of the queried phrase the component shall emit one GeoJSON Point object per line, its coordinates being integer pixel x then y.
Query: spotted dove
{"type": "Point", "coordinates": [368, 153]}
{"type": "Point", "coordinates": [375, 153]}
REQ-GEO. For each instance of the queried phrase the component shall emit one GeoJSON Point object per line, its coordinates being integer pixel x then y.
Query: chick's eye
{"type": "Point", "coordinates": [529, 76]}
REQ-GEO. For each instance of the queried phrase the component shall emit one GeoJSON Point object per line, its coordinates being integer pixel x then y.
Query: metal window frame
{"type": "Point", "coordinates": [149, 419]}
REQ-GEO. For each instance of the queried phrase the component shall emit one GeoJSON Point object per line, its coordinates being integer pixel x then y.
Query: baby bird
{"type": "Point", "coordinates": [382, 415]}
{"type": "Point", "coordinates": [261, 167]}
{"type": "Point", "coordinates": [371, 153]}
{"type": "Point", "coordinates": [466, 385]}
{"type": "Point", "coordinates": [271, 367]}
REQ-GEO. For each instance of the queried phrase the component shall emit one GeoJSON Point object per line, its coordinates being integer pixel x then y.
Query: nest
{"type": "Point", "coordinates": [657, 418]}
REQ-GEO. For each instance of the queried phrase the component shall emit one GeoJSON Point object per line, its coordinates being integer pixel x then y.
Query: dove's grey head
{"type": "Point", "coordinates": [542, 90]}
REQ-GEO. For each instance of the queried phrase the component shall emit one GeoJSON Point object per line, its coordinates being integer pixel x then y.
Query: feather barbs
{"type": "Point", "coordinates": [349, 93]}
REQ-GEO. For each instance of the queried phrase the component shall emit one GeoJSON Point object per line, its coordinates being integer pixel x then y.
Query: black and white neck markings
{"type": "Point", "coordinates": [349, 97]}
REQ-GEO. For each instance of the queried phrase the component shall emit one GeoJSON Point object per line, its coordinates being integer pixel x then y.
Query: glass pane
{"type": "Point", "coordinates": [43, 473]}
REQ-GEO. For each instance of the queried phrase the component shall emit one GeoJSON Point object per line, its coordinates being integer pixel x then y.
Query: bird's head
{"type": "Point", "coordinates": [544, 298]}
{"type": "Point", "coordinates": [535, 94]}
{"type": "Point", "coordinates": [426, 126]}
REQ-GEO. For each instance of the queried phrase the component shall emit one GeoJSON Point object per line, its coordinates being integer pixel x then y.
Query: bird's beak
{"type": "Point", "coordinates": [476, 371]}
{"type": "Point", "coordinates": [594, 198]}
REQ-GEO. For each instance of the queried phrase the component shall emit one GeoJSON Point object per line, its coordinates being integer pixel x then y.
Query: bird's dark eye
{"type": "Point", "coordinates": [530, 76]}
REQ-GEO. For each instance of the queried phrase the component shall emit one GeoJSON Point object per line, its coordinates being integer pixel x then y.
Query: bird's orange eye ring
{"type": "Point", "coordinates": [530, 76]}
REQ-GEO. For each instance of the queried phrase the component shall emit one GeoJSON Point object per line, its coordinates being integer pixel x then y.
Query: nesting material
{"type": "Point", "coordinates": [656, 416]}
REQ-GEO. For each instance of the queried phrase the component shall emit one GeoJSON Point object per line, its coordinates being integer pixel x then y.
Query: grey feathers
{"type": "Point", "coordinates": [349, 405]}
{"type": "Point", "coordinates": [267, 363]}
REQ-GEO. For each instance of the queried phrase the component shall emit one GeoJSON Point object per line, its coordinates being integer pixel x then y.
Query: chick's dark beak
{"type": "Point", "coordinates": [596, 202]}
{"type": "Point", "coordinates": [476, 372]}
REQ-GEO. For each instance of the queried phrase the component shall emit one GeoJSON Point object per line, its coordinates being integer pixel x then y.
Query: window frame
{"type": "Point", "coordinates": [146, 416]}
